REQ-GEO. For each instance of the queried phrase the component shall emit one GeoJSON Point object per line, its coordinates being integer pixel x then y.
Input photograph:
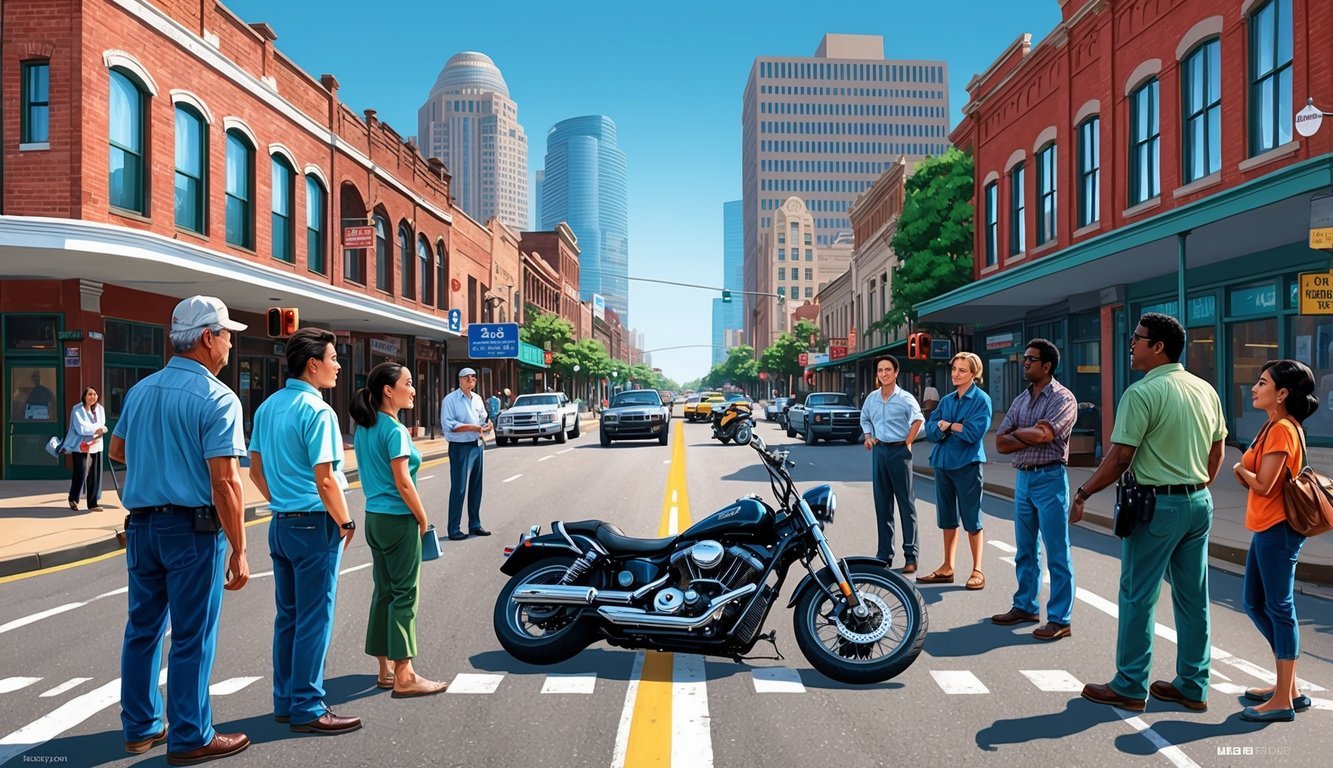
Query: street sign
{"type": "Point", "coordinates": [1308, 120]}
{"type": "Point", "coordinates": [358, 237]}
{"type": "Point", "coordinates": [941, 349]}
{"type": "Point", "coordinates": [1317, 293]}
{"type": "Point", "coordinates": [492, 340]}
{"type": "Point", "coordinates": [548, 357]}
{"type": "Point", "coordinates": [455, 320]}
{"type": "Point", "coordinates": [803, 359]}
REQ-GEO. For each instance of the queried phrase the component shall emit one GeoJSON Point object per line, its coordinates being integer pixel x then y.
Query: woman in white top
{"type": "Point", "coordinates": [87, 424]}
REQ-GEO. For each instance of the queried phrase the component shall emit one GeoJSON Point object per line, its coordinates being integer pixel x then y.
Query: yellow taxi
{"type": "Point", "coordinates": [700, 407]}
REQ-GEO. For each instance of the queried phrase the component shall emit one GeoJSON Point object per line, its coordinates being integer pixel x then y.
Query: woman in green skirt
{"type": "Point", "coordinates": [395, 523]}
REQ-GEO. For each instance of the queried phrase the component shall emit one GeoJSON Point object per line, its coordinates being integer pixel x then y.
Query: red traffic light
{"type": "Point", "coordinates": [282, 321]}
{"type": "Point", "coordinates": [918, 346]}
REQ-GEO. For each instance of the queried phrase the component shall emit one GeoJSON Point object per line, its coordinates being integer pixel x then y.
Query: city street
{"type": "Point", "coordinates": [979, 694]}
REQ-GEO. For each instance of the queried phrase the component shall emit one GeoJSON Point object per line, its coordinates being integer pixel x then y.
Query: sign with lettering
{"type": "Point", "coordinates": [819, 358]}
{"type": "Point", "coordinates": [388, 347]}
{"type": "Point", "coordinates": [837, 352]}
{"type": "Point", "coordinates": [803, 359]}
{"type": "Point", "coordinates": [1308, 120]}
{"type": "Point", "coordinates": [941, 349]}
{"type": "Point", "coordinates": [1317, 293]}
{"type": "Point", "coordinates": [71, 357]}
{"type": "Point", "coordinates": [358, 237]}
{"type": "Point", "coordinates": [1000, 341]}
{"type": "Point", "coordinates": [492, 340]}
{"type": "Point", "coordinates": [1321, 222]}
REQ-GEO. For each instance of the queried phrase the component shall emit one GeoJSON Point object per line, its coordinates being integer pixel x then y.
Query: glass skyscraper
{"type": "Point", "coordinates": [584, 184]}
{"type": "Point", "coordinates": [728, 318]}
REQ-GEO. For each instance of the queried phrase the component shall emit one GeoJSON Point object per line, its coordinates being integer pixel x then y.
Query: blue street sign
{"type": "Point", "coordinates": [492, 340]}
{"type": "Point", "coordinates": [941, 349]}
{"type": "Point", "coordinates": [455, 320]}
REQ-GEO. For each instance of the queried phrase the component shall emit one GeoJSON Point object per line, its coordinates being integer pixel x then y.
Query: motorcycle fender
{"type": "Point", "coordinates": [824, 577]}
{"type": "Point", "coordinates": [540, 548]}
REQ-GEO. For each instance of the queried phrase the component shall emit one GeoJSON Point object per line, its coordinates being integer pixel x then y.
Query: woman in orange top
{"type": "Point", "coordinates": [1285, 391]}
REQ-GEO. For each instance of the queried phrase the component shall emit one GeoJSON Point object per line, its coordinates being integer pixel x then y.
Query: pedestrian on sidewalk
{"type": "Point", "coordinates": [890, 421]}
{"type": "Point", "coordinates": [396, 522]}
{"type": "Point", "coordinates": [1035, 431]}
{"type": "Point", "coordinates": [1285, 391]}
{"type": "Point", "coordinates": [1169, 430]}
{"type": "Point", "coordinates": [296, 455]}
{"type": "Point", "coordinates": [463, 417]}
{"type": "Point", "coordinates": [180, 438]}
{"type": "Point", "coordinates": [493, 409]}
{"type": "Point", "coordinates": [83, 442]}
{"type": "Point", "coordinates": [958, 428]}
{"type": "Point", "coordinates": [930, 399]}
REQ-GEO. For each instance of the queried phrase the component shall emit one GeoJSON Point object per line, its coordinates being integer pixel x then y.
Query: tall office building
{"type": "Point", "coordinates": [471, 124]}
{"type": "Point", "coordinates": [823, 128]}
{"type": "Point", "coordinates": [584, 185]}
{"type": "Point", "coordinates": [728, 317]}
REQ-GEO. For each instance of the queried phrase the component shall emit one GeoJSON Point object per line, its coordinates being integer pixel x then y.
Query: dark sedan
{"type": "Point", "coordinates": [636, 415]}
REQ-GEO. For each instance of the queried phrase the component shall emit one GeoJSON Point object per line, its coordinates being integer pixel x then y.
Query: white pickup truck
{"type": "Point", "coordinates": [550, 414]}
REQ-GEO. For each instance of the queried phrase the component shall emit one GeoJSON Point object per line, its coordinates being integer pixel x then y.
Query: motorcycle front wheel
{"type": "Point", "coordinates": [540, 634]}
{"type": "Point", "coordinates": [869, 649]}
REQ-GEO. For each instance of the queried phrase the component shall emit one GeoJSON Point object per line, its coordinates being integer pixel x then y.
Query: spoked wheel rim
{"type": "Point", "coordinates": [883, 632]}
{"type": "Point", "coordinates": [541, 622]}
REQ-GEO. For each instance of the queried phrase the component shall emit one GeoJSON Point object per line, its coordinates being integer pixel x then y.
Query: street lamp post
{"type": "Point", "coordinates": [576, 381]}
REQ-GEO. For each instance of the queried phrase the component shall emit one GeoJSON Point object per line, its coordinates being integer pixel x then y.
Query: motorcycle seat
{"type": "Point", "coordinates": [615, 540]}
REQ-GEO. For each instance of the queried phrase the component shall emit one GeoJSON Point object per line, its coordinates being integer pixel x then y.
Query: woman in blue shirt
{"type": "Point", "coordinates": [958, 428]}
{"type": "Point", "coordinates": [87, 424]}
{"type": "Point", "coordinates": [395, 523]}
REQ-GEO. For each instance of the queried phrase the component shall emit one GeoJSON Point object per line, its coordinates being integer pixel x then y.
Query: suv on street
{"type": "Point", "coordinates": [636, 415]}
{"type": "Point", "coordinates": [549, 414]}
{"type": "Point", "coordinates": [826, 415]}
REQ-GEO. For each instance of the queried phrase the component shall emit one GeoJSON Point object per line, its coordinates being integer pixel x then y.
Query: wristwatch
{"type": "Point", "coordinates": [1081, 494]}
{"type": "Point", "coordinates": [350, 525]}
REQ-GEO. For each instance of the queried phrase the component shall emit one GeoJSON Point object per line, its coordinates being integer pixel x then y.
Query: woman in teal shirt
{"type": "Point", "coordinates": [395, 522]}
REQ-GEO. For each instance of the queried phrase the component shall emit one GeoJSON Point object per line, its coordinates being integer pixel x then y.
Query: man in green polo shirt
{"type": "Point", "coordinates": [1169, 430]}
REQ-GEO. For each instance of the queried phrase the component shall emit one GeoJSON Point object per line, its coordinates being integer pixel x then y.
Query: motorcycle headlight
{"type": "Point", "coordinates": [823, 502]}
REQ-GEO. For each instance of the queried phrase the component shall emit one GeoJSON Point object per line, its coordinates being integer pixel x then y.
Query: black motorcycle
{"type": "Point", "coordinates": [734, 422]}
{"type": "Point", "coordinates": [709, 590]}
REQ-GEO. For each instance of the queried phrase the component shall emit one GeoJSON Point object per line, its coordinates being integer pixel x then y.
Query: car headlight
{"type": "Point", "coordinates": [819, 417]}
{"type": "Point", "coordinates": [656, 417]}
{"type": "Point", "coordinates": [547, 418]}
{"type": "Point", "coordinates": [506, 420]}
{"type": "Point", "coordinates": [822, 501]}
{"type": "Point", "coordinates": [610, 418]}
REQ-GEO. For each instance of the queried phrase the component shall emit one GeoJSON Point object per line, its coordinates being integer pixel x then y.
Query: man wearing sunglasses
{"type": "Point", "coordinates": [463, 416]}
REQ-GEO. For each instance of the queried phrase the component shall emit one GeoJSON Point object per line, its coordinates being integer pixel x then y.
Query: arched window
{"type": "Point", "coordinates": [1270, 76]}
{"type": "Point", "coordinates": [283, 194]}
{"type": "Point", "coordinates": [314, 225]}
{"type": "Point", "coordinates": [427, 279]}
{"type": "Point", "coordinates": [441, 276]}
{"type": "Point", "coordinates": [382, 265]}
{"type": "Point", "coordinates": [1145, 180]}
{"type": "Point", "coordinates": [1201, 94]}
{"type": "Point", "coordinates": [191, 168]}
{"type": "Point", "coordinates": [352, 213]}
{"type": "Point", "coordinates": [1046, 194]}
{"type": "Point", "coordinates": [1089, 171]}
{"type": "Point", "coordinates": [406, 268]}
{"type": "Point", "coordinates": [127, 112]}
{"type": "Point", "coordinates": [240, 190]}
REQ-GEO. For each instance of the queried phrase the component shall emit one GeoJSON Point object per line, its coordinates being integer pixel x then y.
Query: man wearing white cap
{"type": "Point", "coordinates": [463, 417]}
{"type": "Point", "coordinates": [180, 437]}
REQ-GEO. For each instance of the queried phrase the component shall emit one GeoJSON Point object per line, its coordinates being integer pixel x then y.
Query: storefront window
{"type": "Point", "coordinates": [133, 351]}
{"type": "Point", "coordinates": [1253, 343]}
{"type": "Point", "coordinates": [1313, 345]}
{"type": "Point", "coordinates": [30, 333]}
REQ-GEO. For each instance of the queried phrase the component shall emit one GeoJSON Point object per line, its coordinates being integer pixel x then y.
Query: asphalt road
{"type": "Point", "coordinates": [979, 694]}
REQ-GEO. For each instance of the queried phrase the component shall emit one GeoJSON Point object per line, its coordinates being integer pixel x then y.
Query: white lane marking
{"type": "Point", "coordinates": [1216, 673]}
{"type": "Point", "coordinates": [466, 682]}
{"type": "Point", "coordinates": [1009, 560]}
{"type": "Point", "coordinates": [1324, 704]}
{"type": "Point", "coordinates": [73, 682]}
{"type": "Point", "coordinates": [958, 681]}
{"type": "Point", "coordinates": [355, 568]}
{"type": "Point", "coordinates": [567, 450]}
{"type": "Point", "coordinates": [26, 620]}
{"type": "Point", "coordinates": [776, 680]}
{"type": "Point", "coordinates": [11, 684]}
{"type": "Point", "coordinates": [230, 686]}
{"type": "Point", "coordinates": [1264, 674]}
{"type": "Point", "coordinates": [691, 727]}
{"type": "Point", "coordinates": [66, 716]}
{"type": "Point", "coordinates": [1002, 546]}
{"type": "Point", "coordinates": [668, 461]}
{"type": "Point", "coordinates": [1164, 748]}
{"type": "Point", "coordinates": [112, 593]}
{"type": "Point", "coordinates": [427, 477]}
{"type": "Point", "coordinates": [673, 496]}
{"type": "Point", "coordinates": [1230, 689]}
{"type": "Point", "coordinates": [162, 677]}
{"type": "Point", "coordinates": [511, 479]}
{"type": "Point", "coordinates": [674, 521]}
{"type": "Point", "coordinates": [1053, 680]}
{"type": "Point", "coordinates": [579, 683]}
{"type": "Point", "coordinates": [627, 711]}
{"type": "Point", "coordinates": [544, 458]}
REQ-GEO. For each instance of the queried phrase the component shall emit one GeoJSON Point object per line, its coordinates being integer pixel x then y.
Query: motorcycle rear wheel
{"type": "Point", "coordinates": [539, 634]}
{"type": "Point", "coordinates": [743, 434]}
{"type": "Point", "coordinates": [825, 642]}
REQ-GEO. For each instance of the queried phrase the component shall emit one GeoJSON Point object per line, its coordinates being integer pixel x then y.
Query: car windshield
{"type": "Point", "coordinates": [636, 398]}
{"type": "Point", "coordinates": [536, 400]}
{"type": "Point", "coordinates": [734, 396]}
{"type": "Point", "coordinates": [833, 399]}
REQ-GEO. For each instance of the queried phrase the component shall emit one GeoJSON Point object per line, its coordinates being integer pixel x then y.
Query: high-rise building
{"type": "Point", "coordinates": [584, 185]}
{"type": "Point", "coordinates": [729, 317]}
{"type": "Point", "coordinates": [470, 122]}
{"type": "Point", "coordinates": [823, 128]}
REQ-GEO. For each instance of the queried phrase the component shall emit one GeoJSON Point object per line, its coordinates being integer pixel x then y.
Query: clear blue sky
{"type": "Point", "coordinates": [671, 75]}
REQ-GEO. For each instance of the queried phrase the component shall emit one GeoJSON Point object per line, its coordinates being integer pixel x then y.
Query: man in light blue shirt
{"type": "Point", "coordinates": [463, 417]}
{"type": "Point", "coordinates": [180, 438]}
{"type": "Point", "coordinates": [890, 419]}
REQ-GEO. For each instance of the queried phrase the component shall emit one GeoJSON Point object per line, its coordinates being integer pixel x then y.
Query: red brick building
{"type": "Point", "coordinates": [153, 150]}
{"type": "Point", "coordinates": [1142, 158]}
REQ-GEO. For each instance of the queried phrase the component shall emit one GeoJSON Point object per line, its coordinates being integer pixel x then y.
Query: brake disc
{"type": "Point", "coordinates": [878, 608]}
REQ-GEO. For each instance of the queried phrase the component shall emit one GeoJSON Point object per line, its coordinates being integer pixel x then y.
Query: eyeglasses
{"type": "Point", "coordinates": [1031, 359]}
{"type": "Point", "coordinates": [1133, 337]}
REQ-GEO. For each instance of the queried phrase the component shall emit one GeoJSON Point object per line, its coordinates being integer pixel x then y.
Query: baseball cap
{"type": "Point", "coordinates": [466, 372]}
{"type": "Point", "coordinates": [201, 312]}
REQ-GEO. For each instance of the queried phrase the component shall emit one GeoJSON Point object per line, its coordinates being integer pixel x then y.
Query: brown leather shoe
{"type": "Point", "coordinates": [1052, 631]}
{"type": "Point", "coordinates": [1164, 691]}
{"type": "Point", "coordinates": [1014, 616]}
{"type": "Point", "coordinates": [1104, 694]}
{"type": "Point", "coordinates": [143, 745]}
{"type": "Point", "coordinates": [910, 567]}
{"type": "Point", "coordinates": [328, 724]}
{"type": "Point", "coordinates": [222, 745]}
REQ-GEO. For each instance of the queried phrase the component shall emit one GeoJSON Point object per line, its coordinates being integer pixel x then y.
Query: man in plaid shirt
{"type": "Point", "coordinates": [1035, 431]}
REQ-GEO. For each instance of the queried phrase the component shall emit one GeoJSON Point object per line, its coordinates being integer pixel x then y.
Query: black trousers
{"type": "Point", "coordinates": [87, 471]}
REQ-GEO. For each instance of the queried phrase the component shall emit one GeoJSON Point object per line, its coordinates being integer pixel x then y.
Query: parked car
{"type": "Point", "coordinates": [774, 409]}
{"type": "Point", "coordinates": [637, 414]}
{"type": "Point", "coordinates": [825, 415]}
{"type": "Point", "coordinates": [550, 414]}
{"type": "Point", "coordinates": [701, 409]}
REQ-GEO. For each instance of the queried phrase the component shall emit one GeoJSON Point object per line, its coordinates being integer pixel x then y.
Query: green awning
{"type": "Point", "coordinates": [880, 350]}
{"type": "Point", "coordinates": [531, 355]}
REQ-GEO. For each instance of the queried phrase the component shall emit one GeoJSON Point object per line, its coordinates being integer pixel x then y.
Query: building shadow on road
{"type": "Point", "coordinates": [975, 639]}
{"type": "Point", "coordinates": [605, 663]}
{"type": "Point", "coordinates": [1078, 716]}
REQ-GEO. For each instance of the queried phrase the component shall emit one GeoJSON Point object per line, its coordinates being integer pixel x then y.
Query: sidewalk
{"type": "Point", "coordinates": [1229, 540]}
{"type": "Point", "coordinates": [39, 530]}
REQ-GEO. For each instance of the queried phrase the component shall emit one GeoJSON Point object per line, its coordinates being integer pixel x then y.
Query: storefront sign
{"type": "Point", "coordinates": [999, 341]}
{"type": "Point", "coordinates": [486, 340]}
{"type": "Point", "coordinates": [386, 347]}
{"type": "Point", "coordinates": [1317, 293]}
{"type": "Point", "coordinates": [1321, 222]}
{"type": "Point", "coordinates": [358, 237]}
{"type": "Point", "coordinates": [818, 358]}
{"type": "Point", "coordinates": [803, 359]}
{"type": "Point", "coordinates": [837, 352]}
{"type": "Point", "coordinates": [71, 357]}
{"type": "Point", "coordinates": [1308, 120]}
{"type": "Point", "coordinates": [69, 335]}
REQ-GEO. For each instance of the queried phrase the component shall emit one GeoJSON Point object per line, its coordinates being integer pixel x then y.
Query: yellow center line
{"type": "Point", "coordinates": [650, 729]}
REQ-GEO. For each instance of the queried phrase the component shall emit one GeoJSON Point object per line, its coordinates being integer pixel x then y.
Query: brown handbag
{"type": "Point", "coordinates": [1308, 497]}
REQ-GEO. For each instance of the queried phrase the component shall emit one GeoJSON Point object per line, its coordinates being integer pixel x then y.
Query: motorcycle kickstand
{"type": "Point", "coordinates": [771, 638]}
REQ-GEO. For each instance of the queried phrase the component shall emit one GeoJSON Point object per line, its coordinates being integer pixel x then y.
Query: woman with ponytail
{"type": "Point", "coordinates": [1285, 391]}
{"type": "Point", "coordinates": [395, 523]}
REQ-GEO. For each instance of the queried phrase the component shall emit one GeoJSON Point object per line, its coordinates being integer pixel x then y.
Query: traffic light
{"type": "Point", "coordinates": [918, 346]}
{"type": "Point", "coordinates": [283, 322]}
{"type": "Point", "coordinates": [726, 296]}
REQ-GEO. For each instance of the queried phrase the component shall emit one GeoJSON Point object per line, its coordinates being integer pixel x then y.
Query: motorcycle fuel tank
{"type": "Point", "coordinates": [741, 516]}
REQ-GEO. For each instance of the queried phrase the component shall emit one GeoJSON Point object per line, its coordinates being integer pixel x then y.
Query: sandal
{"type": "Point", "coordinates": [384, 682]}
{"type": "Point", "coordinates": [935, 577]}
{"type": "Point", "coordinates": [977, 580]}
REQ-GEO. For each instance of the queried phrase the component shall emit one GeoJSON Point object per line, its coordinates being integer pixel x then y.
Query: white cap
{"type": "Point", "coordinates": [466, 372]}
{"type": "Point", "coordinates": [202, 312]}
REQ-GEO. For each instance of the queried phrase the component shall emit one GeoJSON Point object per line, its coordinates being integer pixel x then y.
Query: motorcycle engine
{"type": "Point", "coordinates": [703, 572]}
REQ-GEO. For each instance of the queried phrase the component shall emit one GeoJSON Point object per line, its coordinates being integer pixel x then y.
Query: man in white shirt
{"type": "Point", "coordinates": [463, 417]}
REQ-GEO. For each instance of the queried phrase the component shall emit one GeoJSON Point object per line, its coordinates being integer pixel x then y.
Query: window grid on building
{"type": "Point", "coordinates": [315, 245]}
{"type": "Point", "coordinates": [1270, 76]}
{"type": "Point", "coordinates": [126, 122]}
{"type": "Point", "coordinates": [282, 194]}
{"type": "Point", "coordinates": [1046, 194]}
{"type": "Point", "coordinates": [1089, 171]}
{"type": "Point", "coordinates": [240, 191]}
{"type": "Point", "coordinates": [1017, 211]}
{"type": "Point", "coordinates": [191, 192]}
{"type": "Point", "coordinates": [35, 125]}
{"type": "Point", "coordinates": [992, 223]}
{"type": "Point", "coordinates": [1201, 93]}
{"type": "Point", "coordinates": [1145, 181]}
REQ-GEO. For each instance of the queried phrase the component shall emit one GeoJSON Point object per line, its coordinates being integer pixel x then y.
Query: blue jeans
{"type": "Point", "coordinates": [1041, 507]}
{"type": "Point", "coordinates": [172, 570]}
{"type": "Point", "coordinates": [306, 552]}
{"type": "Point", "coordinates": [958, 496]}
{"type": "Point", "coordinates": [464, 480]}
{"type": "Point", "coordinates": [1270, 585]}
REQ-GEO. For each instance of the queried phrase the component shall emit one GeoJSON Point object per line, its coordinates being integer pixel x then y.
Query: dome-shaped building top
{"type": "Point", "coordinates": [470, 70]}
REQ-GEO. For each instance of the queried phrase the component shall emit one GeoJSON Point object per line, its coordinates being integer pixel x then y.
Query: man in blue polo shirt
{"type": "Point", "coordinates": [180, 438]}
{"type": "Point", "coordinates": [296, 455]}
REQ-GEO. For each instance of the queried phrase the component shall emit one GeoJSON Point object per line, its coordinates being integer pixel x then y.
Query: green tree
{"type": "Point", "coordinates": [740, 369]}
{"type": "Point", "coordinates": [542, 327]}
{"type": "Point", "coordinates": [807, 335]}
{"type": "Point", "coordinates": [934, 236]}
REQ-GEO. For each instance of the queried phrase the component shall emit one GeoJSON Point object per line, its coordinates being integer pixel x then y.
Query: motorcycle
{"type": "Point", "coordinates": [709, 590]}
{"type": "Point", "coordinates": [735, 422]}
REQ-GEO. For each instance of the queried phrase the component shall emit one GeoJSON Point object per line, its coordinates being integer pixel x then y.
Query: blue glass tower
{"type": "Point", "coordinates": [730, 316]}
{"type": "Point", "coordinates": [584, 184]}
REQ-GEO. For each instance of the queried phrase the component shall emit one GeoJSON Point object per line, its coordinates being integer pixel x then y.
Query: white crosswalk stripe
{"type": "Point", "coordinates": [73, 682]}
{"type": "Point", "coordinates": [1053, 680]}
{"type": "Point", "coordinates": [958, 682]}
{"type": "Point", "coordinates": [466, 682]}
{"type": "Point", "coordinates": [11, 684]}
{"type": "Point", "coordinates": [582, 683]}
{"type": "Point", "coordinates": [777, 680]}
{"type": "Point", "coordinates": [228, 687]}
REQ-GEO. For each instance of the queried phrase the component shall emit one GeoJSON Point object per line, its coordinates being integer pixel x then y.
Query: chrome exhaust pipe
{"type": "Point", "coordinates": [561, 594]}
{"type": "Point", "coordinates": [637, 617]}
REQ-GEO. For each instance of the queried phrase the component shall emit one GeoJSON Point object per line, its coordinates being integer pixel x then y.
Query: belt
{"type": "Point", "coordinates": [1177, 490]}
{"type": "Point", "coordinates": [893, 444]}
{"type": "Point", "coordinates": [1035, 467]}
{"type": "Point", "coordinates": [169, 509]}
{"type": "Point", "coordinates": [298, 514]}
